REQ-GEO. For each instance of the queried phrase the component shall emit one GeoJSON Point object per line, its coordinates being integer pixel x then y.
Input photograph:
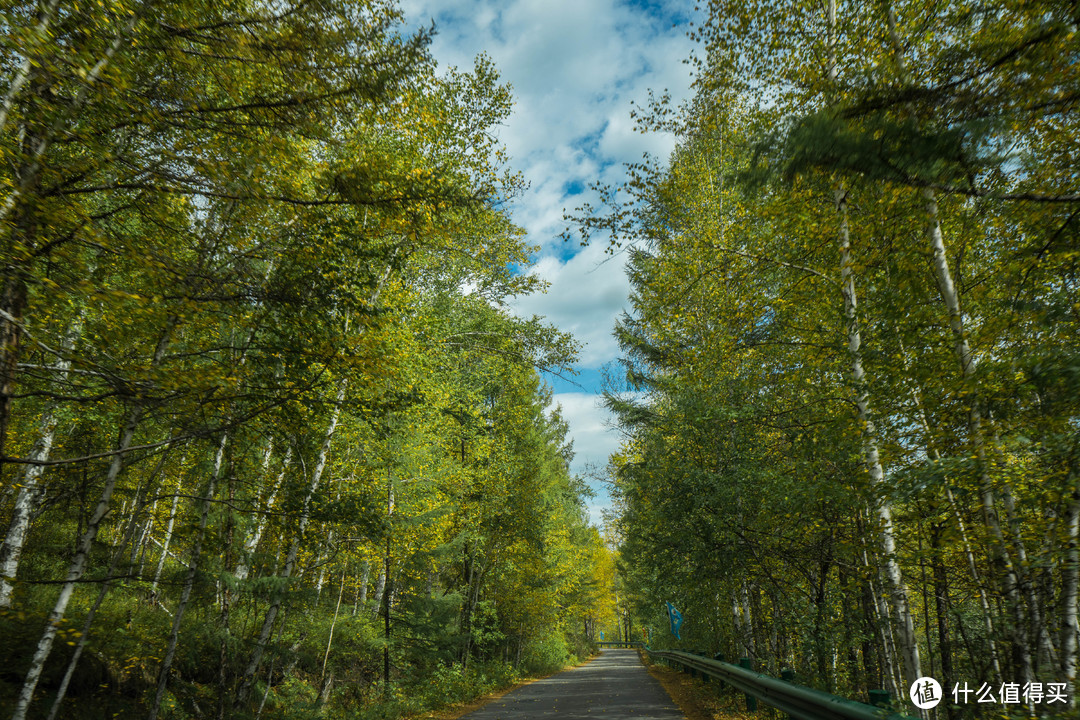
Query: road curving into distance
{"type": "Point", "coordinates": [613, 685]}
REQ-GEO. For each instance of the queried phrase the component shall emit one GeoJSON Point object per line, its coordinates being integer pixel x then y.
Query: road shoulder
{"type": "Point", "coordinates": [697, 700]}
{"type": "Point", "coordinates": [458, 710]}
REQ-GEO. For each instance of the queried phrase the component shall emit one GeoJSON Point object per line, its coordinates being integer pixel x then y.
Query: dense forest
{"type": "Point", "coordinates": [273, 445]}
{"type": "Point", "coordinates": [851, 378]}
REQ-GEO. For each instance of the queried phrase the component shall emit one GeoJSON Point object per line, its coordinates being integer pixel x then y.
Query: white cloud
{"type": "Point", "coordinates": [594, 438]}
{"type": "Point", "coordinates": [574, 66]}
{"type": "Point", "coordinates": [586, 295]}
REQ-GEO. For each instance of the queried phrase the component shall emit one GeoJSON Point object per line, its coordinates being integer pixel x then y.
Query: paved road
{"type": "Point", "coordinates": [613, 686]}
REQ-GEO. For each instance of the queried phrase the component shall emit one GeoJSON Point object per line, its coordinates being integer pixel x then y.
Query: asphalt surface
{"type": "Point", "coordinates": [614, 685]}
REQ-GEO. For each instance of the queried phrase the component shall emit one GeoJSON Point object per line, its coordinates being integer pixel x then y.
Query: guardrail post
{"type": "Point", "coordinates": [719, 657]}
{"type": "Point", "coordinates": [788, 675]}
{"type": "Point", "coordinates": [751, 701]}
{"type": "Point", "coordinates": [879, 698]}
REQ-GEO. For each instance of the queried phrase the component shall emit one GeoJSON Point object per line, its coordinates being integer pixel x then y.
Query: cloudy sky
{"type": "Point", "coordinates": [575, 66]}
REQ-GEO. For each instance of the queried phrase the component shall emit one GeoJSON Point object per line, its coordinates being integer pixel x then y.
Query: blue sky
{"type": "Point", "coordinates": [575, 66]}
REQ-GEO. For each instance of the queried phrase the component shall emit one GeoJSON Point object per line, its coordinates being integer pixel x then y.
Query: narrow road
{"type": "Point", "coordinates": [614, 685]}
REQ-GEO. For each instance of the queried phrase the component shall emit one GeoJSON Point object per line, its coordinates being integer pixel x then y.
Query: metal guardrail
{"type": "Point", "coordinates": [797, 701]}
{"type": "Point", "coordinates": [622, 643]}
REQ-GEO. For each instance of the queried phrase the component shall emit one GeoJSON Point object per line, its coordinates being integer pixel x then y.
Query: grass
{"type": "Point", "coordinates": [700, 700]}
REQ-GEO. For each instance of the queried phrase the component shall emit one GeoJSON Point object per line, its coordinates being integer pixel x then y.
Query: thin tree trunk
{"type": "Point", "coordinates": [252, 542]}
{"type": "Point", "coordinates": [872, 668]}
{"type": "Point", "coordinates": [361, 597]}
{"type": "Point", "coordinates": [881, 621]}
{"type": "Point", "coordinates": [252, 667]}
{"type": "Point", "coordinates": [189, 581]}
{"type": "Point", "coordinates": [330, 639]}
{"type": "Point", "coordinates": [380, 588]}
{"type": "Point", "coordinates": [941, 607]}
{"type": "Point", "coordinates": [909, 647]}
{"type": "Point", "coordinates": [321, 561]}
{"type": "Point", "coordinates": [82, 552]}
{"type": "Point", "coordinates": [129, 531]}
{"type": "Point", "coordinates": [168, 529]}
{"type": "Point", "coordinates": [30, 490]}
{"type": "Point", "coordinates": [1070, 580]}
{"type": "Point", "coordinates": [751, 645]}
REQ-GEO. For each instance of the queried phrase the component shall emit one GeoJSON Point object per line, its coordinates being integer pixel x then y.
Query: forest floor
{"type": "Point", "coordinates": [700, 701]}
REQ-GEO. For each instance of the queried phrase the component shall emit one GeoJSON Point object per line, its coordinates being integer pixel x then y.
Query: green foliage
{"type": "Point", "coordinates": [928, 136]}
{"type": "Point", "coordinates": [266, 443]}
{"type": "Point", "coordinates": [546, 654]}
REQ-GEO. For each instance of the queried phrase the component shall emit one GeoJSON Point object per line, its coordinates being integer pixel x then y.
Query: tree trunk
{"type": "Point", "coordinates": [30, 490]}
{"type": "Point", "coordinates": [909, 647]}
{"type": "Point", "coordinates": [941, 608]}
{"type": "Point", "coordinates": [189, 581]}
{"type": "Point", "coordinates": [1007, 574]}
{"type": "Point", "coordinates": [252, 542]}
{"type": "Point", "coordinates": [129, 531]}
{"type": "Point", "coordinates": [386, 624]}
{"type": "Point", "coordinates": [82, 552]}
{"type": "Point", "coordinates": [168, 530]}
{"type": "Point", "coordinates": [252, 667]}
{"type": "Point", "coordinates": [1069, 599]}
{"type": "Point", "coordinates": [361, 596]}
{"type": "Point", "coordinates": [330, 639]}
{"type": "Point", "coordinates": [380, 588]}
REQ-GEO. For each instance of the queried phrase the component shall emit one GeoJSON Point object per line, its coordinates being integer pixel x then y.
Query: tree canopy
{"type": "Point", "coordinates": [271, 442]}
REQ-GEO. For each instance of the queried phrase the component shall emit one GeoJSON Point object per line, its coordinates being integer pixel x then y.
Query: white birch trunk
{"type": "Point", "coordinates": [189, 581]}
{"type": "Point", "coordinates": [361, 598]}
{"type": "Point", "coordinates": [294, 548]}
{"type": "Point", "coordinates": [380, 588]}
{"type": "Point", "coordinates": [321, 562]}
{"type": "Point", "coordinates": [30, 173]}
{"type": "Point", "coordinates": [1070, 580]}
{"type": "Point", "coordinates": [909, 647]}
{"type": "Point", "coordinates": [969, 554]}
{"type": "Point", "coordinates": [330, 639]}
{"type": "Point", "coordinates": [82, 553]}
{"type": "Point", "coordinates": [244, 566]}
{"type": "Point", "coordinates": [41, 34]}
{"type": "Point", "coordinates": [751, 645]}
{"type": "Point", "coordinates": [968, 364]}
{"type": "Point", "coordinates": [892, 670]}
{"type": "Point", "coordinates": [30, 490]}
{"type": "Point", "coordinates": [168, 531]}
{"type": "Point", "coordinates": [129, 532]}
